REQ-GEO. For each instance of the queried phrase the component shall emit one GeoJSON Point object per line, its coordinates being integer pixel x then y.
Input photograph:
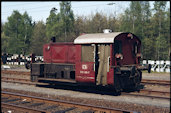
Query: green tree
{"type": "Point", "coordinates": [53, 25]}
{"type": "Point", "coordinates": [4, 42]}
{"type": "Point", "coordinates": [38, 38]}
{"type": "Point", "coordinates": [167, 33]}
{"type": "Point", "coordinates": [67, 20]}
{"type": "Point", "coordinates": [27, 32]}
{"type": "Point", "coordinates": [99, 22]}
{"type": "Point", "coordinates": [12, 29]}
{"type": "Point", "coordinates": [113, 23]}
{"type": "Point", "coordinates": [153, 30]}
{"type": "Point", "coordinates": [18, 29]}
{"type": "Point", "coordinates": [147, 32]}
{"type": "Point", "coordinates": [125, 21]}
{"type": "Point", "coordinates": [136, 17]}
{"type": "Point", "coordinates": [162, 48]}
{"type": "Point", "coordinates": [79, 26]}
{"type": "Point", "coordinates": [146, 15]}
{"type": "Point", "coordinates": [159, 27]}
{"type": "Point", "coordinates": [148, 48]}
{"type": "Point", "coordinates": [61, 25]}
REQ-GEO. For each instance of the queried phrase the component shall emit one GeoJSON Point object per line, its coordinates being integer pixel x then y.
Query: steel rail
{"type": "Point", "coordinates": [68, 103]}
{"type": "Point", "coordinates": [149, 91]}
{"type": "Point", "coordinates": [16, 79]}
{"type": "Point", "coordinates": [12, 81]}
{"type": "Point", "coordinates": [146, 81]}
{"type": "Point", "coordinates": [152, 93]}
{"type": "Point", "coordinates": [27, 83]}
{"type": "Point", "coordinates": [21, 108]}
{"type": "Point", "coordinates": [160, 82]}
{"type": "Point", "coordinates": [148, 94]}
{"type": "Point", "coordinates": [14, 72]}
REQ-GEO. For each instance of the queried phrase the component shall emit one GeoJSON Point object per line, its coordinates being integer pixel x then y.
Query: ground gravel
{"type": "Point", "coordinates": [17, 68]}
{"type": "Point", "coordinates": [156, 76]}
{"type": "Point", "coordinates": [122, 102]}
{"type": "Point", "coordinates": [143, 105]}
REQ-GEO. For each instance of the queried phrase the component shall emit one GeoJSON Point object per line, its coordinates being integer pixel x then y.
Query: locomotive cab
{"type": "Point", "coordinates": [109, 59]}
{"type": "Point", "coordinates": [126, 49]}
{"type": "Point", "coordinates": [126, 59]}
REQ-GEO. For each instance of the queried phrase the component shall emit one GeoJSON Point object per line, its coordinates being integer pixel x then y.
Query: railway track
{"type": "Point", "coordinates": [144, 81]}
{"type": "Point", "coordinates": [14, 79]}
{"type": "Point", "coordinates": [26, 103]}
{"type": "Point", "coordinates": [12, 72]}
{"type": "Point", "coordinates": [147, 93]}
{"type": "Point", "coordinates": [143, 92]}
{"type": "Point", "coordinates": [17, 80]}
{"type": "Point", "coordinates": [150, 94]}
{"type": "Point", "coordinates": [156, 82]}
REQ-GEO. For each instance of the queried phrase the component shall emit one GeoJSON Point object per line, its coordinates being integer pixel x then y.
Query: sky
{"type": "Point", "coordinates": [41, 10]}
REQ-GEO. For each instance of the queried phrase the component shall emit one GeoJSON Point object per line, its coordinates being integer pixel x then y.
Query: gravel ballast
{"type": "Point", "coordinates": [145, 105]}
{"type": "Point", "coordinates": [75, 95]}
{"type": "Point", "coordinates": [156, 76]}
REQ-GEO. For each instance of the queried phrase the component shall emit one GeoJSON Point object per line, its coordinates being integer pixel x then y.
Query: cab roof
{"type": "Point", "coordinates": [99, 38]}
{"type": "Point", "coordinates": [96, 38]}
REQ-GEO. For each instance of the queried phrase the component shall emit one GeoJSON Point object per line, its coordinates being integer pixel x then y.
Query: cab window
{"type": "Point", "coordinates": [135, 48]}
{"type": "Point", "coordinates": [87, 54]}
{"type": "Point", "coordinates": [117, 47]}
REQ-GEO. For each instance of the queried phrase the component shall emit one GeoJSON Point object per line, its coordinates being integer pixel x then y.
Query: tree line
{"type": "Point", "coordinates": [21, 35]}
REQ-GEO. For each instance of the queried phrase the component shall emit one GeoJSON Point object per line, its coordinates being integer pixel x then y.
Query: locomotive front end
{"type": "Point", "coordinates": [126, 59]}
{"type": "Point", "coordinates": [109, 59]}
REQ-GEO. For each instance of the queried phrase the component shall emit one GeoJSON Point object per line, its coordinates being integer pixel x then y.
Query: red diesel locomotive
{"type": "Point", "coordinates": [105, 59]}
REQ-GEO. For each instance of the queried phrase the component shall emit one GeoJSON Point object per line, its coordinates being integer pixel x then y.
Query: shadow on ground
{"type": "Point", "coordinates": [89, 89]}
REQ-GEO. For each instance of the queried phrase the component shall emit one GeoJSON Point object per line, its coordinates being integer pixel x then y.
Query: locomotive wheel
{"type": "Point", "coordinates": [27, 65]}
{"type": "Point", "coordinates": [140, 75]}
{"type": "Point", "coordinates": [34, 78]}
{"type": "Point", "coordinates": [138, 78]}
{"type": "Point", "coordinates": [117, 85]}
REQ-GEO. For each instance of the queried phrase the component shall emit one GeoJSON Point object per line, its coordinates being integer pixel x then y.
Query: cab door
{"type": "Point", "coordinates": [85, 67]}
{"type": "Point", "coordinates": [104, 62]}
{"type": "Point", "coordinates": [94, 64]}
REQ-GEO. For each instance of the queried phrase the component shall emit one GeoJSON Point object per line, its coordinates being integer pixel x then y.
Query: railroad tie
{"type": "Point", "coordinates": [4, 98]}
{"type": "Point", "coordinates": [50, 107]}
{"type": "Point", "coordinates": [65, 110]}
{"type": "Point", "coordinates": [88, 111]}
{"type": "Point", "coordinates": [23, 102]}
{"type": "Point", "coordinates": [11, 100]}
{"type": "Point", "coordinates": [36, 104]}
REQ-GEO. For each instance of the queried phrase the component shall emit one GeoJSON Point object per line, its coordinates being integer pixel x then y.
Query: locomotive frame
{"type": "Point", "coordinates": [105, 59]}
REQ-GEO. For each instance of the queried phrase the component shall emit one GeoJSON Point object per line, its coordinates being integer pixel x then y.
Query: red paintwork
{"type": "Point", "coordinates": [127, 45]}
{"type": "Point", "coordinates": [82, 74]}
{"type": "Point", "coordinates": [110, 77]}
{"type": "Point", "coordinates": [46, 53]}
{"type": "Point", "coordinates": [128, 57]}
{"type": "Point", "coordinates": [85, 72]}
{"type": "Point", "coordinates": [59, 53]}
{"type": "Point", "coordinates": [78, 55]}
{"type": "Point", "coordinates": [110, 74]}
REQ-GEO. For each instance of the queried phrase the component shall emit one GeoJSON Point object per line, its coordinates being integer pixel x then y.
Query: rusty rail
{"type": "Point", "coordinates": [150, 94]}
{"type": "Point", "coordinates": [14, 79]}
{"type": "Point", "coordinates": [21, 108]}
{"type": "Point", "coordinates": [146, 81]}
{"type": "Point", "coordinates": [148, 91]}
{"type": "Point", "coordinates": [157, 82]}
{"type": "Point", "coordinates": [98, 109]}
{"type": "Point", "coordinates": [15, 72]}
